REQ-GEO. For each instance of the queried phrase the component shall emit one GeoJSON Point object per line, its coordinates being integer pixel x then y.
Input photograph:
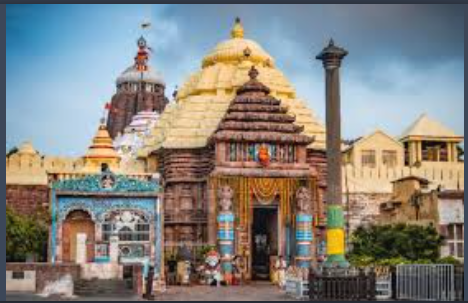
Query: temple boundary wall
{"type": "Point", "coordinates": [34, 169]}
{"type": "Point", "coordinates": [450, 176]}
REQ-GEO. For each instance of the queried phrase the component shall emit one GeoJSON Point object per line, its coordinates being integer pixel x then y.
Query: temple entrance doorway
{"type": "Point", "coordinates": [78, 222]}
{"type": "Point", "coordinates": [264, 241]}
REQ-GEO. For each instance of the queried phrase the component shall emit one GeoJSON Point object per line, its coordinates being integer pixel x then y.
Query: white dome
{"type": "Point", "coordinates": [132, 75]}
{"type": "Point", "coordinates": [128, 143]}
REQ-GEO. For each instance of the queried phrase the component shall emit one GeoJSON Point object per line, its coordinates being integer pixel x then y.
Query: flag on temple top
{"type": "Point", "coordinates": [146, 25]}
{"type": "Point", "coordinates": [108, 106]}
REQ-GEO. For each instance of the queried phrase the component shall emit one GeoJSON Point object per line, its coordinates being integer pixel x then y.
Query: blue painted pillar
{"type": "Point", "coordinates": [53, 236]}
{"type": "Point", "coordinates": [226, 243]}
{"type": "Point", "coordinates": [304, 237]}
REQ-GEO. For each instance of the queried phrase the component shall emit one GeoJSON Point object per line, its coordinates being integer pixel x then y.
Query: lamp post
{"type": "Point", "coordinates": [331, 57]}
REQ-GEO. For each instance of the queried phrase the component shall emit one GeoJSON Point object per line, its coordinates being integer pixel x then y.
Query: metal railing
{"type": "Point", "coordinates": [425, 282]}
{"type": "Point", "coordinates": [346, 285]}
{"type": "Point", "coordinates": [459, 283]}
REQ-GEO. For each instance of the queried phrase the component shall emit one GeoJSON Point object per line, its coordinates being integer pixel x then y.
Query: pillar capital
{"type": "Point", "coordinates": [332, 55]}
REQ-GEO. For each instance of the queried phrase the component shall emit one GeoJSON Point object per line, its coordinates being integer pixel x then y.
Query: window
{"type": "Point", "coordinates": [129, 226]}
{"type": "Point", "coordinates": [389, 158]}
{"type": "Point", "coordinates": [455, 240]}
{"type": "Point", "coordinates": [368, 158]}
{"type": "Point", "coordinates": [18, 275]}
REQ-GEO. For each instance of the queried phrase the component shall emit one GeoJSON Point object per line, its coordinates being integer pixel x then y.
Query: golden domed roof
{"type": "Point", "coordinates": [236, 49]}
{"type": "Point", "coordinates": [202, 101]}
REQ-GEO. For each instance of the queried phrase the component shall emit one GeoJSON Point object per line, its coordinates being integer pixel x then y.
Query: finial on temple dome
{"type": "Point", "coordinates": [238, 29]}
{"type": "Point", "coordinates": [247, 52]}
{"type": "Point", "coordinates": [142, 57]}
{"type": "Point", "coordinates": [253, 73]}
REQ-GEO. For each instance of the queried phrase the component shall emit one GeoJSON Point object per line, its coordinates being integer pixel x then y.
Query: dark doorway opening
{"type": "Point", "coordinates": [264, 241]}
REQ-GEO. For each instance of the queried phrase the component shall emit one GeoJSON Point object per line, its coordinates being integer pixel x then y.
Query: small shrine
{"type": "Point", "coordinates": [261, 184]}
{"type": "Point", "coordinates": [103, 217]}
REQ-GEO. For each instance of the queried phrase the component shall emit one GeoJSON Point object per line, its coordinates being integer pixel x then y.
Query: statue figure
{"type": "Point", "coordinates": [303, 200]}
{"type": "Point", "coordinates": [107, 182]}
{"type": "Point", "coordinates": [264, 156]}
{"type": "Point", "coordinates": [212, 268]}
{"type": "Point", "coordinates": [225, 196]}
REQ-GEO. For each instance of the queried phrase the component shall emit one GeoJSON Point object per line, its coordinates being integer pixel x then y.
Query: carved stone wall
{"type": "Point", "coordinates": [126, 104]}
{"type": "Point", "coordinates": [184, 174]}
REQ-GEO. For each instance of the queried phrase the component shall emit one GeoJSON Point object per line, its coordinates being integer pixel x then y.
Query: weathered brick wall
{"type": "Point", "coordinates": [45, 272]}
{"type": "Point", "coordinates": [27, 199]}
{"type": "Point", "coordinates": [364, 208]}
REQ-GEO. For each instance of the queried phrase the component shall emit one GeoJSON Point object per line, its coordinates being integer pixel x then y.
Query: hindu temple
{"type": "Point", "coordinates": [238, 132]}
{"type": "Point", "coordinates": [236, 163]}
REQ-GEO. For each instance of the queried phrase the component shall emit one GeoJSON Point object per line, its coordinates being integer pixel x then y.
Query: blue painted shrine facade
{"type": "Point", "coordinates": [116, 206]}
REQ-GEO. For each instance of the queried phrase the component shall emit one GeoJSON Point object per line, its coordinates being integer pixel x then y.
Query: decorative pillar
{"type": "Point", "coordinates": [450, 152]}
{"type": "Point", "coordinates": [455, 152]}
{"type": "Point", "coordinates": [211, 213]}
{"type": "Point", "coordinates": [158, 241]}
{"type": "Point", "coordinates": [331, 57]}
{"type": "Point", "coordinates": [159, 284]}
{"type": "Point", "coordinates": [226, 231]}
{"type": "Point", "coordinates": [304, 233]}
{"type": "Point", "coordinates": [53, 234]}
{"type": "Point", "coordinates": [114, 249]}
{"type": "Point", "coordinates": [418, 151]}
{"type": "Point", "coordinates": [81, 251]}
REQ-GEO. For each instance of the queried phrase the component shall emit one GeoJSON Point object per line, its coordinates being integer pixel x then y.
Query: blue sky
{"type": "Point", "coordinates": [62, 61]}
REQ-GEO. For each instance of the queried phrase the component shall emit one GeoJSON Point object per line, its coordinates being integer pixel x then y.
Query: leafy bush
{"type": "Point", "coordinates": [390, 245]}
{"type": "Point", "coordinates": [25, 236]}
{"type": "Point", "coordinates": [449, 261]}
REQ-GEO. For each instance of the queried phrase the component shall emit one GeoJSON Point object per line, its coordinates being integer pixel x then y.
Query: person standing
{"type": "Point", "coordinates": [172, 271]}
{"type": "Point", "coordinates": [281, 267]}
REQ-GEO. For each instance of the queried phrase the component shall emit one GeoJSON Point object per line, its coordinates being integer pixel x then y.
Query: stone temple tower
{"type": "Point", "coordinates": [139, 89]}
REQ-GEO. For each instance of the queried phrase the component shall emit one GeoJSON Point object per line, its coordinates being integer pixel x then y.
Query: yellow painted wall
{"type": "Point", "coordinates": [33, 169]}
{"type": "Point", "coordinates": [379, 142]}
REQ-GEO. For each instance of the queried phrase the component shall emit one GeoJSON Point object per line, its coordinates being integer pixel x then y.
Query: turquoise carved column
{"type": "Point", "coordinates": [226, 231]}
{"type": "Point", "coordinates": [304, 232]}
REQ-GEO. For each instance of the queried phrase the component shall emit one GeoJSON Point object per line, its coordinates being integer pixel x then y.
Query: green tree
{"type": "Point", "coordinates": [395, 244]}
{"type": "Point", "coordinates": [25, 236]}
{"type": "Point", "coordinates": [12, 151]}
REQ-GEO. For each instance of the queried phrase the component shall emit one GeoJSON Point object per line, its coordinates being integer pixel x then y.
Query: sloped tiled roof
{"type": "Point", "coordinates": [429, 128]}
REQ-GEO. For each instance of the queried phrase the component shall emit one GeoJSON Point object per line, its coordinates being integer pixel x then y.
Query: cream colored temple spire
{"type": "Point", "coordinates": [101, 152]}
{"type": "Point", "coordinates": [202, 101]}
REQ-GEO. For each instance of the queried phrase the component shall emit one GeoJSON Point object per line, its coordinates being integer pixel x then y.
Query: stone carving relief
{"type": "Point", "coordinates": [225, 196]}
{"type": "Point", "coordinates": [303, 200]}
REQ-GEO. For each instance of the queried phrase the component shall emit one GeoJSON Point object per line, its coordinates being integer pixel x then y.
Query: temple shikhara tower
{"type": "Point", "coordinates": [238, 123]}
{"type": "Point", "coordinates": [139, 89]}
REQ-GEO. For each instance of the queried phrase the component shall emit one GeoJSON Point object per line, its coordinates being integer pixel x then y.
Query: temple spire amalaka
{"type": "Point", "coordinates": [238, 29]}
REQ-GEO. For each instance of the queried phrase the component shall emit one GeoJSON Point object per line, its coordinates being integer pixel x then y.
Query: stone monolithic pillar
{"type": "Point", "coordinates": [331, 57]}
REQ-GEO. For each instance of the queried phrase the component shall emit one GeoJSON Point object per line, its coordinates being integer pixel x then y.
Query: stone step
{"type": "Point", "coordinates": [103, 288]}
